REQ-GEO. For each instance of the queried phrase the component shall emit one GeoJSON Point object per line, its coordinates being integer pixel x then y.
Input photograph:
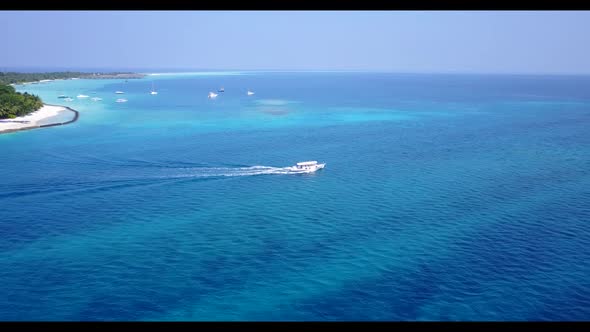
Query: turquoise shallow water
{"type": "Point", "coordinates": [445, 197]}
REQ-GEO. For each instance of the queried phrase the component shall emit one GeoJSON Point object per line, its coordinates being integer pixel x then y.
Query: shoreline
{"type": "Point", "coordinates": [59, 77]}
{"type": "Point", "coordinates": [34, 122]}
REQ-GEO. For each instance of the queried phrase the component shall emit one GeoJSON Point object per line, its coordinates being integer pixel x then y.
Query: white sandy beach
{"type": "Point", "coordinates": [32, 120]}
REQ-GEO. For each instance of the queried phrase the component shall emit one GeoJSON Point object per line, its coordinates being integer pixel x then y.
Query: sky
{"type": "Point", "coordinates": [527, 42]}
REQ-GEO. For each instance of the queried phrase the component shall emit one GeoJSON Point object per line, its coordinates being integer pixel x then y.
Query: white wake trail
{"type": "Point", "coordinates": [207, 172]}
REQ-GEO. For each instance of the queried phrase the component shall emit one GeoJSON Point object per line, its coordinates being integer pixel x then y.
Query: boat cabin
{"type": "Point", "coordinates": [306, 164]}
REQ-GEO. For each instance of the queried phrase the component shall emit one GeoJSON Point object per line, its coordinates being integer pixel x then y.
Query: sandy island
{"type": "Point", "coordinates": [39, 119]}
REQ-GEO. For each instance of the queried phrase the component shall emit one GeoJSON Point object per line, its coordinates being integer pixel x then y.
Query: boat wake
{"type": "Point", "coordinates": [139, 174]}
{"type": "Point", "coordinates": [206, 172]}
{"type": "Point", "coordinates": [115, 170]}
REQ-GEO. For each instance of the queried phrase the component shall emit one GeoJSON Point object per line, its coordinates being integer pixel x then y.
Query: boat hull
{"type": "Point", "coordinates": [311, 169]}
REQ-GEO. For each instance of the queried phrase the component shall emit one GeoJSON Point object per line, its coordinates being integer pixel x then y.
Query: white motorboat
{"type": "Point", "coordinates": [121, 100]}
{"type": "Point", "coordinates": [250, 93]}
{"type": "Point", "coordinates": [153, 92]}
{"type": "Point", "coordinates": [119, 92]}
{"type": "Point", "coordinates": [307, 166]}
{"type": "Point", "coordinates": [82, 96]}
{"type": "Point", "coordinates": [96, 98]}
{"type": "Point", "coordinates": [212, 95]}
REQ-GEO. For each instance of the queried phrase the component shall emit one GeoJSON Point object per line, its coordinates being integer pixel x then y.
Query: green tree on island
{"type": "Point", "coordinates": [13, 77]}
{"type": "Point", "coordinates": [14, 104]}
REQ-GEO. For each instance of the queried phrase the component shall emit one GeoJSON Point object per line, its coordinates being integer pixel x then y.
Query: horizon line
{"type": "Point", "coordinates": [19, 69]}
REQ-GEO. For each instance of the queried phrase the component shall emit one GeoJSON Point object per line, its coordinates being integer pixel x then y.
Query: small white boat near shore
{"type": "Point", "coordinates": [212, 95]}
{"type": "Point", "coordinates": [250, 93]}
{"type": "Point", "coordinates": [119, 92]}
{"type": "Point", "coordinates": [96, 99]}
{"type": "Point", "coordinates": [307, 166]}
{"type": "Point", "coordinates": [69, 99]}
{"type": "Point", "coordinates": [82, 96]}
{"type": "Point", "coordinates": [121, 100]}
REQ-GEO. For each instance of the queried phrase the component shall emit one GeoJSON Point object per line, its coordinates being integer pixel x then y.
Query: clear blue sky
{"type": "Point", "coordinates": [403, 41]}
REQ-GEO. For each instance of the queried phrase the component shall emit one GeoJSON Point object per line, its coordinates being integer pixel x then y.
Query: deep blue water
{"type": "Point", "coordinates": [445, 197]}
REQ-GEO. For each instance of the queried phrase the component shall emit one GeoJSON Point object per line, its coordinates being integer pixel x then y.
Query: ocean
{"type": "Point", "coordinates": [445, 197]}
